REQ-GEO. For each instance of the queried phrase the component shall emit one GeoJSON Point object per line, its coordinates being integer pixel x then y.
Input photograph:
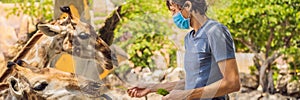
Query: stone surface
{"type": "Point", "coordinates": [249, 82]}
{"type": "Point", "coordinates": [8, 39]}
{"type": "Point", "coordinates": [282, 81]}
{"type": "Point", "coordinates": [13, 21]}
{"type": "Point", "coordinates": [175, 74]}
{"type": "Point", "coordinates": [120, 53]}
{"type": "Point", "coordinates": [159, 61]}
{"type": "Point", "coordinates": [130, 76]}
{"type": "Point", "coordinates": [282, 65]}
{"type": "Point", "coordinates": [258, 95]}
{"type": "Point", "coordinates": [13, 29]}
{"type": "Point", "coordinates": [113, 81]}
{"type": "Point", "coordinates": [27, 25]}
{"type": "Point", "coordinates": [147, 76]}
{"type": "Point", "coordinates": [293, 88]}
{"type": "Point", "coordinates": [2, 63]}
{"type": "Point", "coordinates": [267, 96]}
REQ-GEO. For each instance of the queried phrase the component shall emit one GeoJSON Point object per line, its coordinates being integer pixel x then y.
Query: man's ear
{"type": "Point", "coordinates": [188, 6]}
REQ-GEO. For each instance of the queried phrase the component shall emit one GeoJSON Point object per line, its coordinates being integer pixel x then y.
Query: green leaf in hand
{"type": "Point", "coordinates": [162, 92]}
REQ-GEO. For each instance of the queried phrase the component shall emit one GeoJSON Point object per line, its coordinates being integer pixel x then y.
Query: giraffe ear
{"type": "Point", "coordinates": [49, 30]}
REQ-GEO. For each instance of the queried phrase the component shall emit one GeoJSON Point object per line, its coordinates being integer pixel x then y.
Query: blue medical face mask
{"type": "Point", "coordinates": [180, 21]}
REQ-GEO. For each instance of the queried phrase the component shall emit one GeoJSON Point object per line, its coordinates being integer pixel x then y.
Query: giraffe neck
{"type": "Point", "coordinates": [28, 46]}
{"type": "Point", "coordinates": [20, 55]}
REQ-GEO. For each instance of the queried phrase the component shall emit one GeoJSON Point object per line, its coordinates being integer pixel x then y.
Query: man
{"type": "Point", "coordinates": [210, 65]}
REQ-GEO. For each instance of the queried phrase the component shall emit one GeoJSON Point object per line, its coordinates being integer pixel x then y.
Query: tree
{"type": "Point", "coordinates": [267, 28]}
{"type": "Point", "coordinates": [148, 23]}
{"type": "Point", "coordinates": [40, 9]}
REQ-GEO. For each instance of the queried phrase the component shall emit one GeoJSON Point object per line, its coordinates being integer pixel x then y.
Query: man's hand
{"type": "Point", "coordinates": [138, 92]}
{"type": "Point", "coordinates": [143, 89]}
{"type": "Point", "coordinates": [178, 95]}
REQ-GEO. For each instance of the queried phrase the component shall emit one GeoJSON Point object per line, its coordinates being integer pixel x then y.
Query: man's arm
{"type": "Point", "coordinates": [229, 83]}
{"type": "Point", "coordinates": [169, 86]}
{"type": "Point", "coordinates": [140, 91]}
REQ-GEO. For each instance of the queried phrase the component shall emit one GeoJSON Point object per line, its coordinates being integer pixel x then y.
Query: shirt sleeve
{"type": "Point", "coordinates": [221, 43]}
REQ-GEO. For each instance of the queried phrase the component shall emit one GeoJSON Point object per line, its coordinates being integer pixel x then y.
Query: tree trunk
{"type": "Point", "coordinates": [266, 78]}
{"type": "Point", "coordinates": [271, 89]}
{"type": "Point", "coordinates": [262, 77]}
{"type": "Point", "coordinates": [107, 31]}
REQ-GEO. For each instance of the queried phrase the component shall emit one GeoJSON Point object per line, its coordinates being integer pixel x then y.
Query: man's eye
{"type": "Point", "coordinates": [83, 35]}
{"type": "Point", "coordinates": [40, 86]}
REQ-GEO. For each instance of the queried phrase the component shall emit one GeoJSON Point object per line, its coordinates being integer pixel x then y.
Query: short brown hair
{"type": "Point", "coordinates": [198, 6]}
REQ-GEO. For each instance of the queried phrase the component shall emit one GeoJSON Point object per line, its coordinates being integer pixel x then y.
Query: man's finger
{"type": "Point", "coordinates": [135, 93]}
{"type": "Point", "coordinates": [132, 88]}
{"type": "Point", "coordinates": [129, 92]}
{"type": "Point", "coordinates": [132, 92]}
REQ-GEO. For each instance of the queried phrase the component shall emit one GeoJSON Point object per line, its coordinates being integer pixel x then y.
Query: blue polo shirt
{"type": "Point", "coordinates": [211, 44]}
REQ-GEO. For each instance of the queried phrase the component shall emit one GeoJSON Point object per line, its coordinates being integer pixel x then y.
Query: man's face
{"type": "Point", "coordinates": [174, 8]}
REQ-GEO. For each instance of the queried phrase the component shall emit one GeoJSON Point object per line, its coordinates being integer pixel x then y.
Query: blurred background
{"type": "Point", "coordinates": [150, 47]}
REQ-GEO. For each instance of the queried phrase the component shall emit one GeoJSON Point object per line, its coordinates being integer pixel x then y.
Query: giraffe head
{"type": "Point", "coordinates": [48, 83]}
{"type": "Point", "coordinates": [78, 38]}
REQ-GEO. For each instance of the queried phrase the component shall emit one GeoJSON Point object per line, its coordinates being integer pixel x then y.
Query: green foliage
{"type": "Point", "coordinates": [294, 53]}
{"type": "Point", "coordinates": [275, 73]}
{"type": "Point", "coordinates": [147, 21]}
{"type": "Point", "coordinates": [40, 9]}
{"type": "Point", "coordinates": [253, 69]}
{"type": "Point", "coordinates": [162, 92]}
{"type": "Point", "coordinates": [122, 69]}
{"type": "Point", "coordinates": [294, 78]}
{"type": "Point", "coordinates": [10, 1]}
{"type": "Point", "coordinates": [256, 20]}
{"type": "Point", "coordinates": [215, 5]}
{"type": "Point", "coordinates": [144, 47]}
{"type": "Point", "coordinates": [264, 27]}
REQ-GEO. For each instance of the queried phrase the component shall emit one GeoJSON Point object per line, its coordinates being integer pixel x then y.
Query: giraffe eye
{"type": "Point", "coordinates": [83, 35]}
{"type": "Point", "coordinates": [40, 86]}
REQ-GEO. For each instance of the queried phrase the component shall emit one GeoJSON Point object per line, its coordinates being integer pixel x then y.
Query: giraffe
{"type": "Point", "coordinates": [66, 35]}
{"type": "Point", "coordinates": [80, 40]}
{"type": "Point", "coordinates": [31, 83]}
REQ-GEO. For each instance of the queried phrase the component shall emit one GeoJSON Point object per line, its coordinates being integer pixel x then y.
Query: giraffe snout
{"type": "Point", "coordinates": [15, 87]}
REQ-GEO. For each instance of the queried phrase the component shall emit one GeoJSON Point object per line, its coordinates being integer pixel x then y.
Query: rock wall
{"type": "Point", "coordinates": [13, 30]}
